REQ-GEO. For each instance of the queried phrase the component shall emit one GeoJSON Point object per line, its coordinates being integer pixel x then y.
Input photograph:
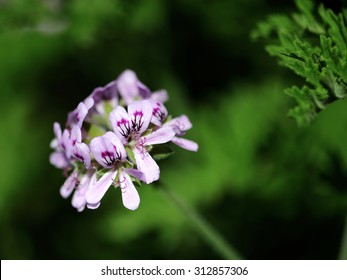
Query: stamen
{"type": "Point", "coordinates": [180, 125]}
{"type": "Point", "coordinates": [119, 182]}
{"type": "Point", "coordinates": [123, 189]}
{"type": "Point", "coordinates": [140, 145]}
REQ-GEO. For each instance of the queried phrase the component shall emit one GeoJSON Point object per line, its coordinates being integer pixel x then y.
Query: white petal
{"type": "Point", "coordinates": [57, 131]}
{"type": "Point", "coordinates": [54, 143]}
{"type": "Point", "coordinates": [89, 102]}
{"type": "Point", "coordinates": [100, 108]}
{"type": "Point", "coordinates": [182, 123]}
{"type": "Point", "coordinates": [76, 135]}
{"type": "Point", "coordinates": [96, 192]}
{"type": "Point", "coordinates": [66, 143]}
{"type": "Point", "coordinates": [126, 82]}
{"type": "Point", "coordinates": [135, 173]}
{"type": "Point", "coordinates": [159, 113]}
{"type": "Point", "coordinates": [130, 196]}
{"type": "Point", "coordinates": [144, 91]}
{"type": "Point", "coordinates": [121, 124]}
{"type": "Point", "coordinates": [127, 85]}
{"type": "Point", "coordinates": [117, 145]}
{"type": "Point", "coordinates": [81, 113]}
{"type": "Point", "coordinates": [146, 164]}
{"type": "Point", "coordinates": [160, 136]}
{"type": "Point", "coordinates": [160, 95]}
{"type": "Point", "coordinates": [93, 206]}
{"type": "Point", "coordinates": [185, 144]}
{"type": "Point", "coordinates": [102, 151]}
{"type": "Point", "coordinates": [92, 182]}
{"type": "Point", "coordinates": [140, 113]}
{"type": "Point", "coordinates": [58, 159]}
{"type": "Point", "coordinates": [78, 199]}
{"type": "Point", "coordinates": [82, 153]}
{"type": "Point", "coordinates": [114, 102]}
{"type": "Point", "coordinates": [69, 185]}
{"type": "Point", "coordinates": [107, 149]}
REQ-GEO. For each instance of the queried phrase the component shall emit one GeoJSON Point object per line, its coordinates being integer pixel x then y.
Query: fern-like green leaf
{"type": "Point", "coordinates": [313, 44]}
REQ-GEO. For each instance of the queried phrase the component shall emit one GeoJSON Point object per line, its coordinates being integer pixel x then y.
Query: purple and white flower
{"type": "Point", "coordinates": [105, 144]}
{"type": "Point", "coordinates": [110, 153]}
{"type": "Point", "coordinates": [130, 87]}
{"type": "Point", "coordinates": [101, 95]}
{"type": "Point", "coordinates": [79, 184]}
{"type": "Point", "coordinates": [64, 144]}
{"type": "Point", "coordinates": [77, 116]}
{"type": "Point", "coordinates": [130, 127]}
{"type": "Point", "coordinates": [79, 150]}
{"type": "Point", "coordinates": [61, 144]}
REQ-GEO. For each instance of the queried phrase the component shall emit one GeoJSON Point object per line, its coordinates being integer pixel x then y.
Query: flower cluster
{"type": "Point", "coordinates": [110, 138]}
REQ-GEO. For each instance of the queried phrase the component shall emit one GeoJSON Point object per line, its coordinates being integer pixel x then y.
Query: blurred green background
{"type": "Point", "coordinates": [273, 190]}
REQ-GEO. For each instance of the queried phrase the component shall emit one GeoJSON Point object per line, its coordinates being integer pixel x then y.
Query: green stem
{"type": "Point", "coordinates": [343, 248]}
{"type": "Point", "coordinates": [210, 235]}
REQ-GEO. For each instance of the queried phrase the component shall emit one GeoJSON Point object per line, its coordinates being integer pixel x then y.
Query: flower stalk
{"type": "Point", "coordinates": [343, 248]}
{"type": "Point", "coordinates": [207, 232]}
